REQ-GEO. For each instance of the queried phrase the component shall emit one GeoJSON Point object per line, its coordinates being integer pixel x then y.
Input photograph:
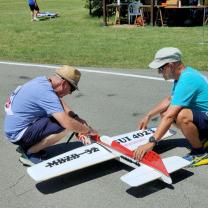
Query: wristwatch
{"type": "Point", "coordinates": [152, 139]}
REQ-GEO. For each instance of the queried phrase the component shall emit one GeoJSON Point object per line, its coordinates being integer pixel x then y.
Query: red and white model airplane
{"type": "Point", "coordinates": [120, 147]}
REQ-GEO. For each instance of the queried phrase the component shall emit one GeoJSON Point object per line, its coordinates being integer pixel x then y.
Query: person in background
{"type": "Point", "coordinates": [187, 106]}
{"type": "Point", "coordinates": [34, 9]}
{"type": "Point", "coordinates": [38, 117]}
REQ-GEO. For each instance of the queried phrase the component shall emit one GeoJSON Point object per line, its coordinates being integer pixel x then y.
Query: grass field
{"type": "Point", "coordinates": [77, 39]}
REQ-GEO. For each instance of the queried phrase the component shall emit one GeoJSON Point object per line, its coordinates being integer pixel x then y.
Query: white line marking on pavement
{"type": "Point", "coordinates": [85, 70]}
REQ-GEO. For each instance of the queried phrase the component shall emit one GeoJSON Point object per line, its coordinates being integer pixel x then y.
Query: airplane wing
{"type": "Point", "coordinates": [145, 174]}
{"type": "Point", "coordinates": [70, 161]}
{"type": "Point", "coordinates": [134, 139]}
{"type": "Point", "coordinates": [119, 147]}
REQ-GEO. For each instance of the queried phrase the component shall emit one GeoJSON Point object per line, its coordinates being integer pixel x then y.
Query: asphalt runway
{"type": "Point", "coordinates": [112, 102]}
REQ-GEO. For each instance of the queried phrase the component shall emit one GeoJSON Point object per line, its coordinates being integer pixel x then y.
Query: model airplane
{"type": "Point", "coordinates": [120, 147]}
{"type": "Point", "coordinates": [47, 15]}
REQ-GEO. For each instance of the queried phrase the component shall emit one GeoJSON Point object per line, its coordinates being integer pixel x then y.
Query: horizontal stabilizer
{"type": "Point", "coordinates": [175, 163]}
{"type": "Point", "coordinates": [140, 176]}
{"type": "Point", "coordinates": [145, 174]}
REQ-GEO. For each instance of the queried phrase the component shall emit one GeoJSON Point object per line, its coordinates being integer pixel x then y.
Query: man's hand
{"type": "Point", "coordinates": [91, 131]}
{"type": "Point", "coordinates": [141, 150]}
{"type": "Point", "coordinates": [143, 123]}
{"type": "Point", "coordinates": [76, 117]}
{"type": "Point", "coordinates": [85, 138]}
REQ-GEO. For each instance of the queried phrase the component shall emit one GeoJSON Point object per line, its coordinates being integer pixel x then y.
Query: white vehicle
{"type": "Point", "coordinates": [120, 147]}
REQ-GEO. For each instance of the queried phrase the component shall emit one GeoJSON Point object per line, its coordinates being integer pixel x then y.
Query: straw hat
{"type": "Point", "coordinates": [70, 74]}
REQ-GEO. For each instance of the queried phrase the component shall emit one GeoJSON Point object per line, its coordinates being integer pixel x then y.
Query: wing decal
{"type": "Point", "coordinates": [134, 139]}
{"type": "Point", "coordinates": [70, 161]}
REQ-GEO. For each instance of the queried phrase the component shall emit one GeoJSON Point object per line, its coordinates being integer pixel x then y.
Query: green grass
{"type": "Point", "coordinates": [77, 39]}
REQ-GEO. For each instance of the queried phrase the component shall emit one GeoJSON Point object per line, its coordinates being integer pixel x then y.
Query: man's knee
{"type": "Point", "coordinates": [53, 138]}
{"type": "Point", "coordinates": [162, 113]}
{"type": "Point", "coordinates": [64, 132]}
{"type": "Point", "coordinates": [184, 117]}
{"type": "Point", "coordinates": [59, 135]}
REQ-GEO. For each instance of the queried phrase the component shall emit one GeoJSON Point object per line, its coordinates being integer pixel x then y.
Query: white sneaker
{"type": "Point", "coordinates": [36, 19]}
{"type": "Point", "coordinates": [25, 161]}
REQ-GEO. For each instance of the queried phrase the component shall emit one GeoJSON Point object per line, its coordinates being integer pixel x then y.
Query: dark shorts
{"type": "Point", "coordinates": [200, 119]}
{"type": "Point", "coordinates": [39, 130]}
{"type": "Point", "coordinates": [34, 7]}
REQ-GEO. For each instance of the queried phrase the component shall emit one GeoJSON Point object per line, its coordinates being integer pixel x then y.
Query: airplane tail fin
{"type": "Point", "coordinates": [151, 158]}
{"type": "Point", "coordinates": [145, 174]}
{"type": "Point", "coordinates": [154, 160]}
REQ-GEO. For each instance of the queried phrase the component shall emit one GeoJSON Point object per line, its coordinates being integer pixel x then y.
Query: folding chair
{"type": "Point", "coordinates": [135, 10]}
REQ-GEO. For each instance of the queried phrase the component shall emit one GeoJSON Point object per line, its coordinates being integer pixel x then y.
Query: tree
{"type": "Point", "coordinates": [96, 7]}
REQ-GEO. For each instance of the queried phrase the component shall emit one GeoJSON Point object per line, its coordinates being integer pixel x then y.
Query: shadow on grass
{"type": "Point", "coordinates": [46, 18]}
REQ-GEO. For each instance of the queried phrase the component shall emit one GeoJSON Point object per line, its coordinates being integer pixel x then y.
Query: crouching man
{"type": "Point", "coordinates": [186, 106]}
{"type": "Point", "coordinates": [37, 116]}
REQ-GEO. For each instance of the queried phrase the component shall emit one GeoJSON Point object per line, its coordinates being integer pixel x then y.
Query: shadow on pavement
{"type": "Point", "coordinates": [79, 177]}
{"type": "Point", "coordinates": [155, 186]}
{"type": "Point", "coordinates": [61, 148]}
{"type": "Point", "coordinates": [100, 170]}
{"type": "Point", "coordinates": [168, 144]}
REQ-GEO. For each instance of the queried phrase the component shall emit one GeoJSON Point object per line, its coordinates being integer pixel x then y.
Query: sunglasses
{"type": "Point", "coordinates": [160, 69]}
{"type": "Point", "coordinates": [72, 88]}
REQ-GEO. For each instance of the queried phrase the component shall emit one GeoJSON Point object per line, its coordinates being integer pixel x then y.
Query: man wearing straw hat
{"type": "Point", "coordinates": [37, 116]}
{"type": "Point", "coordinates": [187, 106]}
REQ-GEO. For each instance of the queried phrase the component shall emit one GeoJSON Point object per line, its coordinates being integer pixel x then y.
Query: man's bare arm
{"type": "Point", "coordinates": [72, 124]}
{"type": "Point", "coordinates": [159, 108]}
{"type": "Point", "coordinates": [167, 120]}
